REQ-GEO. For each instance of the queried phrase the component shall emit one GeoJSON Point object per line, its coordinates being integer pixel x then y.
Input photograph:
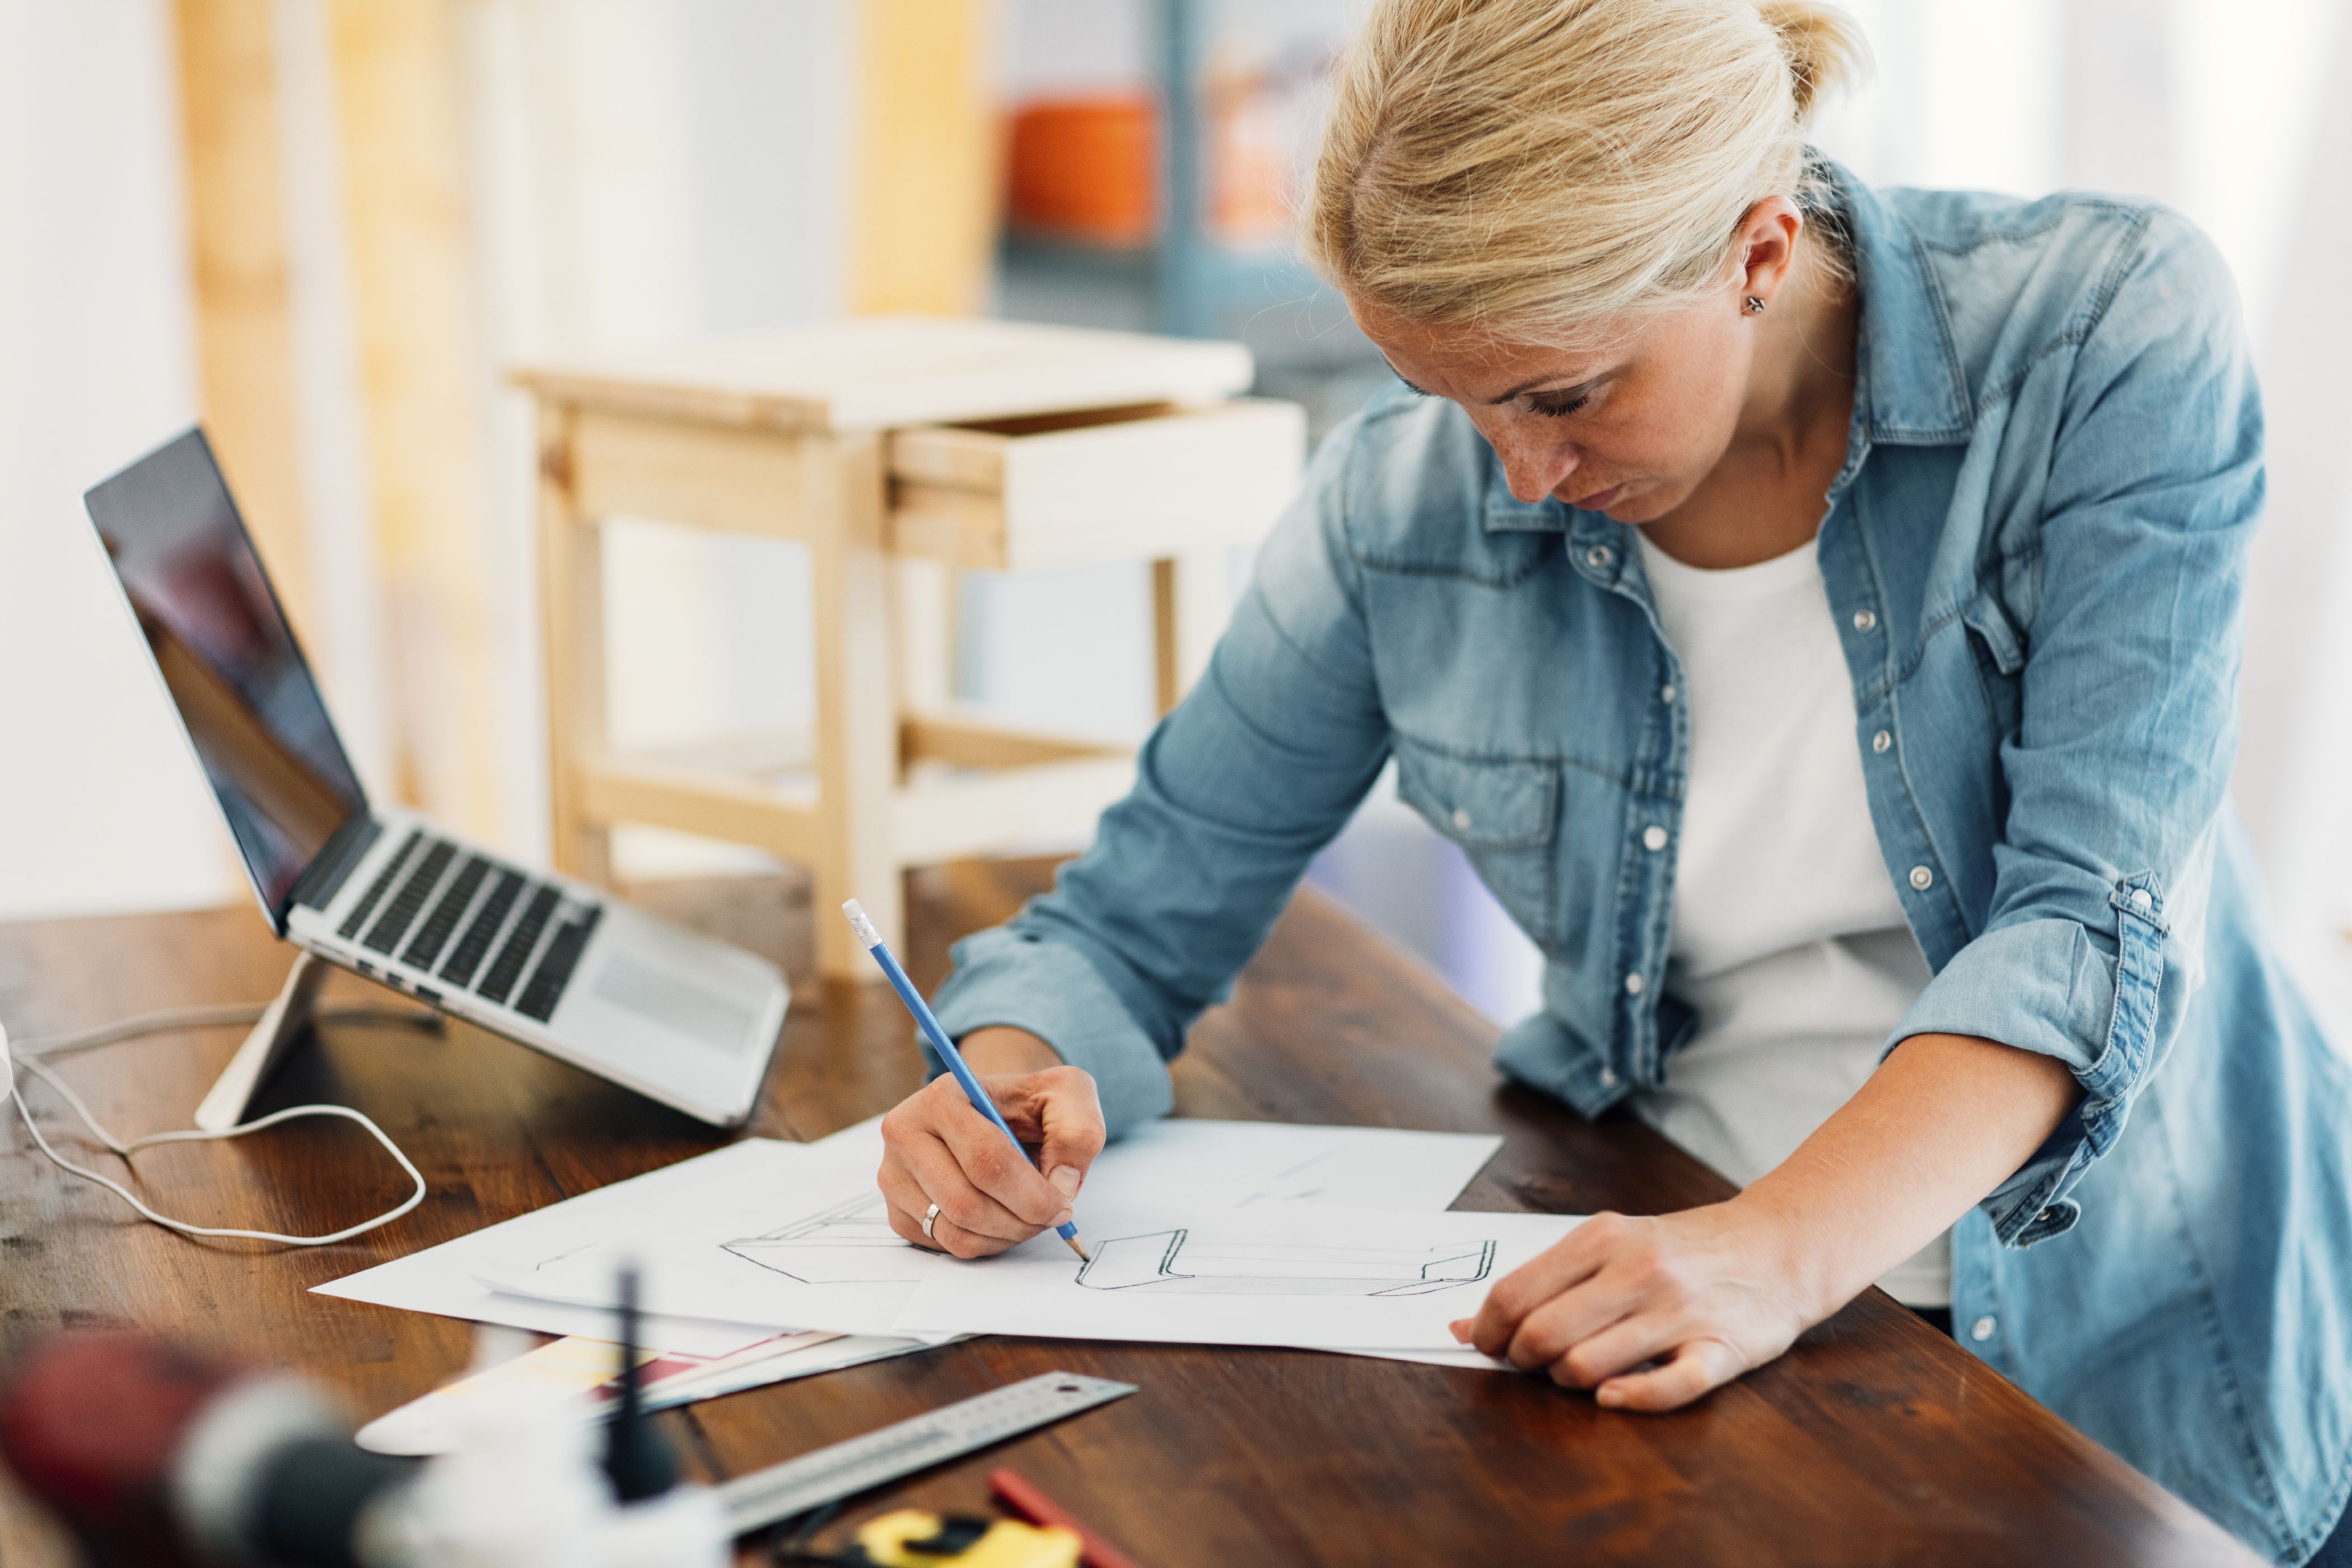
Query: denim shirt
{"type": "Point", "coordinates": [2034, 551]}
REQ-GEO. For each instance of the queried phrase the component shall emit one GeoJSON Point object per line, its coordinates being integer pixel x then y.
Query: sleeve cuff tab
{"type": "Point", "coordinates": [2140, 975]}
{"type": "Point", "coordinates": [2140, 897]}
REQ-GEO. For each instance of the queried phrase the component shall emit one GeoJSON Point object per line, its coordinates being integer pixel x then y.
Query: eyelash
{"type": "Point", "coordinates": [1549, 411]}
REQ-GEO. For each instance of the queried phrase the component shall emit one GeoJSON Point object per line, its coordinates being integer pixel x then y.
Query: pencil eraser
{"type": "Point", "coordinates": [861, 925]}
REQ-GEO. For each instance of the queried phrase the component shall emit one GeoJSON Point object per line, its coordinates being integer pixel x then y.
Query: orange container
{"type": "Point", "coordinates": [1082, 169]}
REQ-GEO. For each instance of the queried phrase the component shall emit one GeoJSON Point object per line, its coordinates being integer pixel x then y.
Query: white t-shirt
{"type": "Point", "coordinates": [1787, 938]}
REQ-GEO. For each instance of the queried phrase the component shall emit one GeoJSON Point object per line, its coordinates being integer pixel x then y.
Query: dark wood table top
{"type": "Point", "coordinates": [1874, 1440]}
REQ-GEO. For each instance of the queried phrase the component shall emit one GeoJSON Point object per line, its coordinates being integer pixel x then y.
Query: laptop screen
{"type": "Point", "coordinates": [221, 643]}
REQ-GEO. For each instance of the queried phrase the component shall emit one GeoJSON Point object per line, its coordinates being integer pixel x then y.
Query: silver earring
{"type": "Point", "coordinates": [1755, 306]}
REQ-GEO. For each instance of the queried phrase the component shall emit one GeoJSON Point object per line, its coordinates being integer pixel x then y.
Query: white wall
{"type": "Point", "coordinates": [2296, 753]}
{"type": "Point", "coordinates": [100, 806]}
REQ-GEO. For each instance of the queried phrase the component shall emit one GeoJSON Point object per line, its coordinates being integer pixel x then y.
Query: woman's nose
{"type": "Point", "coordinates": [1533, 466]}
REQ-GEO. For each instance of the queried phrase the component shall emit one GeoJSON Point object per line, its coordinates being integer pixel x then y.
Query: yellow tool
{"type": "Point", "coordinates": [913, 1539]}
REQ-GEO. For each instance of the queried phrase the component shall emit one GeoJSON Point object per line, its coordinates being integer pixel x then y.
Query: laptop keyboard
{"type": "Point", "coordinates": [377, 888]}
{"type": "Point", "coordinates": [507, 968]}
{"type": "Point", "coordinates": [529, 933]}
{"type": "Point", "coordinates": [465, 959]}
{"type": "Point", "coordinates": [434, 931]}
{"type": "Point", "coordinates": [415, 889]}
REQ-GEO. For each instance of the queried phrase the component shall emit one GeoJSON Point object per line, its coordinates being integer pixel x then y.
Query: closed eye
{"type": "Point", "coordinates": [1555, 405]}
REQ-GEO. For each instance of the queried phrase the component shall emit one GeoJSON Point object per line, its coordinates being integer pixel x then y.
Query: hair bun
{"type": "Point", "coordinates": [1825, 49]}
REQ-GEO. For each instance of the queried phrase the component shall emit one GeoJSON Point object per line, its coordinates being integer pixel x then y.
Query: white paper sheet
{"type": "Point", "coordinates": [830, 1261]}
{"type": "Point", "coordinates": [819, 1253]}
{"type": "Point", "coordinates": [696, 1336]}
{"type": "Point", "coordinates": [445, 1279]}
{"type": "Point", "coordinates": [836, 1353]}
{"type": "Point", "coordinates": [1467, 1358]}
{"type": "Point", "coordinates": [571, 1374]}
{"type": "Point", "coordinates": [1286, 1273]}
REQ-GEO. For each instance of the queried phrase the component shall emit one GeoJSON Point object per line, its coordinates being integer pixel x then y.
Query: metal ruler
{"type": "Point", "coordinates": [827, 1474]}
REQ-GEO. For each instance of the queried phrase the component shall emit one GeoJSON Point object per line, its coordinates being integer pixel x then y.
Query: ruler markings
{"type": "Point", "coordinates": [837, 1472]}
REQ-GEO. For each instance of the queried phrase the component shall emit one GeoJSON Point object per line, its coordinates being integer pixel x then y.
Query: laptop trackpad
{"type": "Point", "coordinates": [666, 1000]}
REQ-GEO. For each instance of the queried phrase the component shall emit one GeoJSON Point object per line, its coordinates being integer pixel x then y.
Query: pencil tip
{"type": "Point", "coordinates": [1079, 1248]}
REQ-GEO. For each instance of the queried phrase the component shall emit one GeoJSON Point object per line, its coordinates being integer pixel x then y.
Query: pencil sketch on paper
{"type": "Point", "coordinates": [849, 1244]}
{"type": "Point", "coordinates": [1174, 1262]}
{"type": "Point", "coordinates": [1302, 1183]}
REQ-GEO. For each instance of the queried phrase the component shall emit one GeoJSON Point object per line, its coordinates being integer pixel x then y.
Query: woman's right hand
{"type": "Point", "coordinates": [938, 1148]}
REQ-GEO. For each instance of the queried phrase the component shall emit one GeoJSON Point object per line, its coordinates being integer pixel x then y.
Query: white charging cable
{"type": "Point", "coordinates": [32, 1056]}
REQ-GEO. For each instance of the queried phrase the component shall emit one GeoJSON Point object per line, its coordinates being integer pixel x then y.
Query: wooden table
{"type": "Point", "coordinates": [1874, 1440]}
{"type": "Point", "coordinates": [894, 449]}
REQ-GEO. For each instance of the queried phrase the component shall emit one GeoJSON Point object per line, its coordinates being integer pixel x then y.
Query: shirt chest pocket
{"type": "Point", "coordinates": [1504, 814]}
{"type": "Point", "coordinates": [1999, 651]}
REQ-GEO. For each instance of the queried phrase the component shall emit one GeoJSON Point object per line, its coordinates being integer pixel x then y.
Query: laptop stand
{"type": "Point", "coordinates": [281, 1025]}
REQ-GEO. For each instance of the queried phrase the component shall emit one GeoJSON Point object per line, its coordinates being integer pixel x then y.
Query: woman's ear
{"type": "Point", "coordinates": [1768, 248]}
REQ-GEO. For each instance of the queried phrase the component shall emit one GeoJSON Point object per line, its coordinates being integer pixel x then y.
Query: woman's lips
{"type": "Point", "coordinates": [1597, 500]}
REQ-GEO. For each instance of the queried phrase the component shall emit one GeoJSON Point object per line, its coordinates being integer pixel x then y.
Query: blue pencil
{"type": "Point", "coordinates": [939, 1041]}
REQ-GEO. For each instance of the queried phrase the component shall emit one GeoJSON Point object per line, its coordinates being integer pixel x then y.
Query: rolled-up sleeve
{"type": "Point", "coordinates": [2118, 767]}
{"type": "Point", "coordinates": [1235, 791]}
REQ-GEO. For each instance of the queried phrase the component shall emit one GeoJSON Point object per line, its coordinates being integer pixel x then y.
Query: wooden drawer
{"type": "Point", "coordinates": [1117, 484]}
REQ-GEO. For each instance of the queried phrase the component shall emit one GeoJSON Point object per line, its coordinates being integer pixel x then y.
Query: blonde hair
{"type": "Point", "coordinates": [1547, 166]}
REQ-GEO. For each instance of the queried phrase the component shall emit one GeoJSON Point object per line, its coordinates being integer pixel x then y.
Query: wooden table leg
{"type": "Point", "coordinates": [571, 614]}
{"type": "Point", "coordinates": [857, 703]}
{"type": "Point", "coordinates": [1190, 599]}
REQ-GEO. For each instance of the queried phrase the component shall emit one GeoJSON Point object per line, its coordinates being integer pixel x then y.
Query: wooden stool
{"type": "Point", "coordinates": [878, 444]}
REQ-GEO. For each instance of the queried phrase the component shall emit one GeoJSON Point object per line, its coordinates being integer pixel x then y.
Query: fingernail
{"type": "Point", "coordinates": [1066, 1178]}
{"type": "Point", "coordinates": [1062, 1218]}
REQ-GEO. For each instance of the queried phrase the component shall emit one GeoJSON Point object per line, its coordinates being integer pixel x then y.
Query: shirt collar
{"type": "Point", "coordinates": [1909, 369]}
{"type": "Point", "coordinates": [1911, 366]}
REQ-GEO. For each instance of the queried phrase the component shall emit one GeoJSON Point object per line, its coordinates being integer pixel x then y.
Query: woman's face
{"type": "Point", "coordinates": [1628, 426]}
{"type": "Point", "coordinates": [1629, 429]}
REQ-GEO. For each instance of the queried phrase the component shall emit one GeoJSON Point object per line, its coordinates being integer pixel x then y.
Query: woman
{"type": "Point", "coordinates": [1815, 611]}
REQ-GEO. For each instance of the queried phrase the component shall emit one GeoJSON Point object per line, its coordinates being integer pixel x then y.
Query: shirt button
{"type": "Point", "coordinates": [1865, 620]}
{"type": "Point", "coordinates": [1654, 838]}
{"type": "Point", "coordinates": [2142, 901]}
{"type": "Point", "coordinates": [1598, 557]}
{"type": "Point", "coordinates": [1609, 1078]}
{"type": "Point", "coordinates": [1461, 819]}
{"type": "Point", "coordinates": [1666, 694]}
{"type": "Point", "coordinates": [1922, 879]}
{"type": "Point", "coordinates": [1982, 1330]}
{"type": "Point", "coordinates": [1880, 741]}
{"type": "Point", "coordinates": [1633, 984]}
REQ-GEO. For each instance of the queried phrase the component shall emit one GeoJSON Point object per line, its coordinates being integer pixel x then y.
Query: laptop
{"type": "Point", "coordinates": [554, 963]}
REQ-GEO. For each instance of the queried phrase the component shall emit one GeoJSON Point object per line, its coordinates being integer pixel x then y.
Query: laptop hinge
{"type": "Point", "coordinates": [323, 877]}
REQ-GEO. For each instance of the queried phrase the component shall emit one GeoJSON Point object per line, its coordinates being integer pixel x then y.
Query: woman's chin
{"type": "Point", "coordinates": [1637, 504]}
{"type": "Point", "coordinates": [1632, 501]}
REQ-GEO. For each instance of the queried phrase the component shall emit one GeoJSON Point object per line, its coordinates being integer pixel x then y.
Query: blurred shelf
{"type": "Point", "coordinates": [1049, 253]}
{"type": "Point", "coordinates": [1186, 281]}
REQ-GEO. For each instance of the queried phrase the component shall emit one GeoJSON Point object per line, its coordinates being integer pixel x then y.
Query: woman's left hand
{"type": "Point", "coordinates": [1706, 1294]}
